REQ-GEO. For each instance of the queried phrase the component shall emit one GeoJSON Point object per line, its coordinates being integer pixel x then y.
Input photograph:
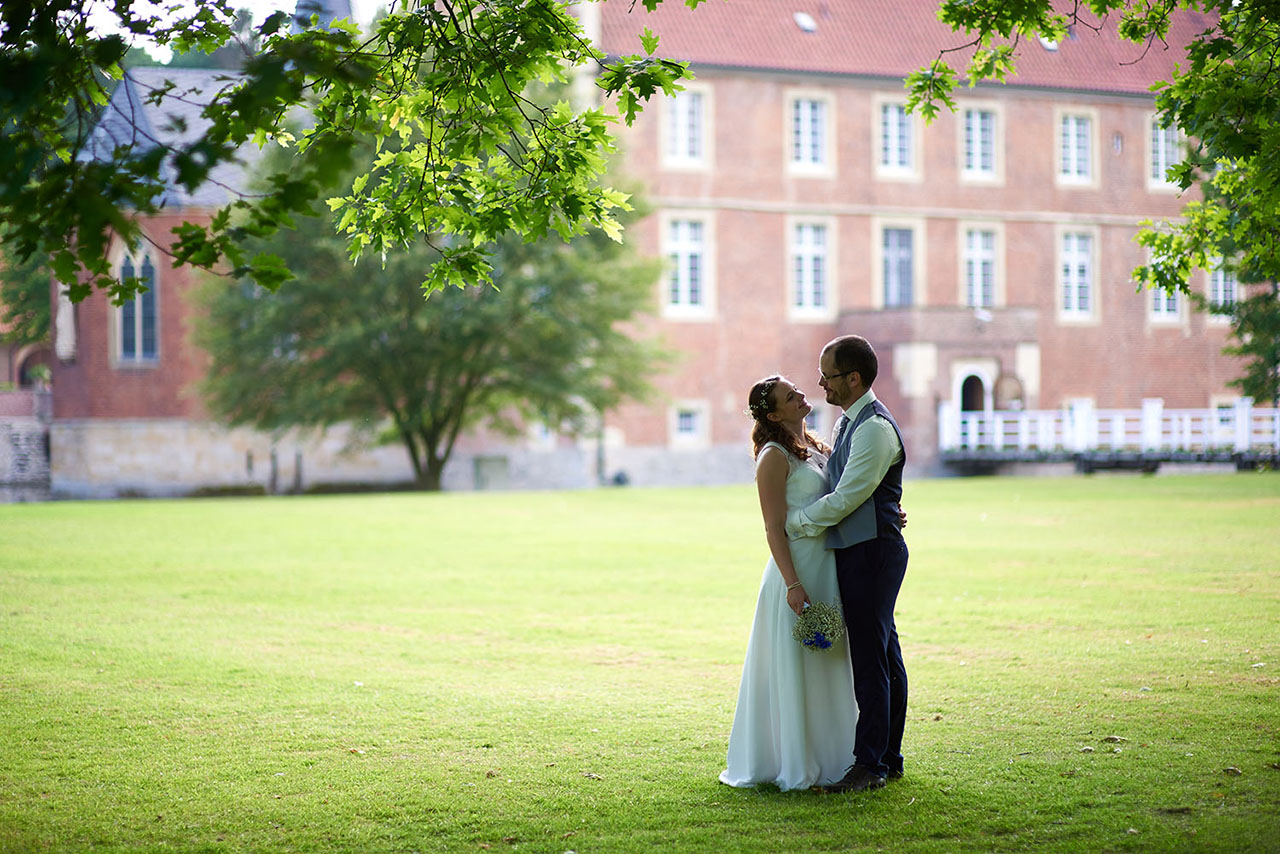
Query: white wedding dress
{"type": "Point", "coordinates": [796, 714]}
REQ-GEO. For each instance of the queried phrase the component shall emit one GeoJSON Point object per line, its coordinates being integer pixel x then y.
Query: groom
{"type": "Point", "coordinates": [864, 476]}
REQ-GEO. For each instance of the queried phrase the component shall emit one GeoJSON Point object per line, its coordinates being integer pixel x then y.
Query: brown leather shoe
{"type": "Point", "coordinates": [856, 779]}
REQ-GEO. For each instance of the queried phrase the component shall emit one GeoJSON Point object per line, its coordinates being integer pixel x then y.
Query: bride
{"type": "Point", "coordinates": [796, 714]}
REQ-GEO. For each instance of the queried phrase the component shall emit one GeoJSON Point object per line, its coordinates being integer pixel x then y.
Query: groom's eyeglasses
{"type": "Point", "coordinates": [830, 377]}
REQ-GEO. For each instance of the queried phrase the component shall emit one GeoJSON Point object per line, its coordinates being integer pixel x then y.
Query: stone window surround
{"type": "Point", "coordinates": [998, 293]}
{"type": "Point", "coordinates": [700, 412]}
{"type": "Point", "coordinates": [967, 176]}
{"type": "Point", "coordinates": [115, 314]}
{"type": "Point", "coordinates": [914, 172]}
{"type": "Point", "coordinates": [706, 309]}
{"type": "Point", "coordinates": [676, 162]}
{"type": "Point", "coordinates": [1093, 315]}
{"type": "Point", "coordinates": [1073, 181]}
{"type": "Point", "coordinates": [806, 169]}
{"type": "Point", "coordinates": [829, 310]}
{"type": "Point", "coordinates": [918, 280]}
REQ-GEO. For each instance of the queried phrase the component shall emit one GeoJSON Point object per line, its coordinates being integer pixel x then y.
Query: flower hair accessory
{"type": "Point", "coordinates": [760, 408]}
{"type": "Point", "coordinates": [819, 627]}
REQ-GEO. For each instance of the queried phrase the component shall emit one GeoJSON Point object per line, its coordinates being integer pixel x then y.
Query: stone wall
{"type": "Point", "coordinates": [24, 445]}
{"type": "Point", "coordinates": [105, 458]}
{"type": "Point", "coordinates": [100, 458]}
{"type": "Point", "coordinates": [24, 451]}
{"type": "Point", "coordinates": [662, 466]}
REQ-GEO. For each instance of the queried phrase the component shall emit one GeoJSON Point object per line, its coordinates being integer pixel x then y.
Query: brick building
{"type": "Point", "coordinates": [987, 256]}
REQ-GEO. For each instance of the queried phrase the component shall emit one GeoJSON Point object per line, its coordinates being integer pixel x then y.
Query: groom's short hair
{"type": "Point", "coordinates": [854, 353]}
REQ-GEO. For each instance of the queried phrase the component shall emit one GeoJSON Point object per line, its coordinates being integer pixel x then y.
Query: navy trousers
{"type": "Point", "coordinates": [870, 576]}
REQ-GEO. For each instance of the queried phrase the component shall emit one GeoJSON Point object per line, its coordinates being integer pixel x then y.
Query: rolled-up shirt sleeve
{"type": "Point", "coordinates": [872, 449]}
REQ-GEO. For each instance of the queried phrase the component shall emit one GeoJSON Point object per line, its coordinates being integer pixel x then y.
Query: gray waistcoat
{"type": "Point", "coordinates": [878, 515]}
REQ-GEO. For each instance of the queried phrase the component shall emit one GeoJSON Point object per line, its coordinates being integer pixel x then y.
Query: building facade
{"type": "Point", "coordinates": [987, 255]}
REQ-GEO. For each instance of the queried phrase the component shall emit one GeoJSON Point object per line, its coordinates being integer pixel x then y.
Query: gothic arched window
{"type": "Point", "coordinates": [138, 323]}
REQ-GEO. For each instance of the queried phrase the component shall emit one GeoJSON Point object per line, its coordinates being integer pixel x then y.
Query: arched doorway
{"type": "Point", "coordinates": [973, 395]}
{"type": "Point", "coordinates": [33, 366]}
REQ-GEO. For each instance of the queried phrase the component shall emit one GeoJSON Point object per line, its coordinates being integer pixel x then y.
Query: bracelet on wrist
{"type": "Point", "coordinates": [791, 587]}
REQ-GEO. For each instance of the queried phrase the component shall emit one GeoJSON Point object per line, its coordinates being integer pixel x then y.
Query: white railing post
{"type": "Point", "coordinates": [947, 428]}
{"type": "Point", "coordinates": [1242, 424]}
{"type": "Point", "coordinates": [1080, 427]}
{"type": "Point", "coordinates": [1117, 431]}
{"type": "Point", "coordinates": [1044, 431]}
{"type": "Point", "coordinates": [1152, 416]}
{"type": "Point", "coordinates": [1084, 427]}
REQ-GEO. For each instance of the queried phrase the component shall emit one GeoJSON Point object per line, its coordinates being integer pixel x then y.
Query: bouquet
{"type": "Point", "coordinates": [819, 626]}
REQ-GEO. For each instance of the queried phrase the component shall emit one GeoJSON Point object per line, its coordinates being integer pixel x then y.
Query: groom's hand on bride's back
{"type": "Point", "coordinates": [902, 517]}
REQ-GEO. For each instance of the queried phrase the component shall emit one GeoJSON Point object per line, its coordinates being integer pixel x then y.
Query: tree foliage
{"type": "Point", "coordinates": [25, 301]}
{"type": "Point", "coordinates": [357, 343]}
{"type": "Point", "coordinates": [1225, 101]}
{"type": "Point", "coordinates": [452, 75]}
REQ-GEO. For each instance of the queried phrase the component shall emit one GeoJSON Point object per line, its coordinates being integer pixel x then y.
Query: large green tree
{"type": "Point", "coordinates": [358, 344]}
{"type": "Point", "coordinates": [451, 74]}
{"type": "Point", "coordinates": [1225, 100]}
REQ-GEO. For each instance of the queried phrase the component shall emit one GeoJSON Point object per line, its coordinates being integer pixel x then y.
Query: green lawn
{"type": "Point", "coordinates": [556, 672]}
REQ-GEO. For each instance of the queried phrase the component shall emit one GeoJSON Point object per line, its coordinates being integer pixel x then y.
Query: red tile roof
{"type": "Point", "coordinates": [882, 38]}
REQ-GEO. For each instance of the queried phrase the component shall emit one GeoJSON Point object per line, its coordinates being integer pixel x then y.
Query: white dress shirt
{"type": "Point", "coordinates": [873, 448]}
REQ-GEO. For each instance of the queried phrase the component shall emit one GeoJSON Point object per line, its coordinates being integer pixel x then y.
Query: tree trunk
{"type": "Point", "coordinates": [428, 479]}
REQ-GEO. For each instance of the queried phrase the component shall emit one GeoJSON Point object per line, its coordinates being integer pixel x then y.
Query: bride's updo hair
{"type": "Point", "coordinates": [760, 403]}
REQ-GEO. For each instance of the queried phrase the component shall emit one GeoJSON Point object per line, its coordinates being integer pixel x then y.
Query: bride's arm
{"type": "Point", "coordinates": [771, 483]}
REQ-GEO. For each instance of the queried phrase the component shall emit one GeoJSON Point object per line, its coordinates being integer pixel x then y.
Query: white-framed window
{"type": "Point", "coordinates": [895, 148]}
{"type": "Point", "coordinates": [810, 120]}
{"type": "Point", "coordinates": [898, 262]}
{"type": "Point", "coordinates": [1223, 288]}
{"type": "Point", "coordinates": [686, 128]}
{"type": "Point", "coordinates": [688, 289]}
{"type": "Point", "coordinates": [1076, 147]}
{"type": "Point", "coordinates": [980, 143]}
{"type": "Point", "coordinates": [689, 424]}
{"type": "Point", "coordinates": [1077, 291]}
{"type": "Point", "coordinates": [1165, 305]}
{"type": "Point", "coordinates": [811, 267]}
{"type": "Point", "coordinates": [137, 321]}
{"type": "Point", "coordinates": [1164, 149]}
{"type": "Point", "coordinates": [897, 268]}
{"type": "Point", "coordinates": [979, 265]}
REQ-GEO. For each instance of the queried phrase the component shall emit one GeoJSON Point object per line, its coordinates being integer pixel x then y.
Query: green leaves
{"type": "Point", "coordinates": [478, 152]}
{"type": "Point", "coordinates": [991, 63]}
{"type": "Point", "coordinates": [24, 300]}
{"type": "Point", "coordinates": [928, 87]}
{"type": "Point", "coordinates": [649, 40]}
{"type": "Point", "coordinates": [357, 342]}
{"type": "Point", "coordinates": [997, 27]}
{"type": "Point", "coordinates": [635, 79]}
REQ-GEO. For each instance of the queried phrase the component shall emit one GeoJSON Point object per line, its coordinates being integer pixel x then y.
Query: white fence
{"type": "Point", "coordinates": [1237, 429]}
